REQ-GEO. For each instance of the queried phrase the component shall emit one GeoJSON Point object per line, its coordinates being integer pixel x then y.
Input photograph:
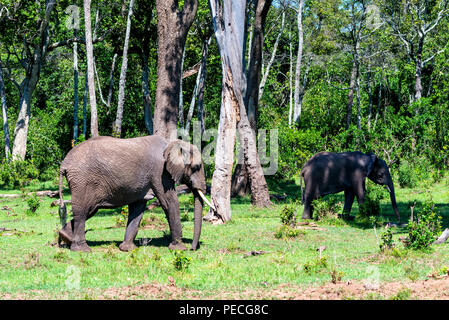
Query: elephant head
{"type": "Point", "coordinates": [379, 173]}
{"type": "Point", "coordinates": [183, 162]}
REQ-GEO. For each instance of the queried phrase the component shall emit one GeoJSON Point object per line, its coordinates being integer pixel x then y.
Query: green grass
{"type": "Point", "coordinates": [32, 266]}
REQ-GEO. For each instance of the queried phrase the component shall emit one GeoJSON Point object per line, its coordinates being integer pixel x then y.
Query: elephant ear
{"type": "Point", "coordinates": [177, 157]}
{"type": "Point", "coordinates": [371, 162]}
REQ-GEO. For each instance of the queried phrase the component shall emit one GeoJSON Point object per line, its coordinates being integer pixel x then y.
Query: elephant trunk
{"type": "Point", "coordinates": [390, 187]}
{"type": "Point", "coordinates": [198, 216]}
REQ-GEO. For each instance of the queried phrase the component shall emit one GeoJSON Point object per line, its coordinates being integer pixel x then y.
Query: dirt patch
{"type": "Point", "coordinates": [431, 289]}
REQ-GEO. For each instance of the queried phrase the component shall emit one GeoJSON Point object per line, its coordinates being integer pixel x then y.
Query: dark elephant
{"type": "Point", "coordinates": [107, 172]}
{"type": "Point", "coordinates": [327, 173]}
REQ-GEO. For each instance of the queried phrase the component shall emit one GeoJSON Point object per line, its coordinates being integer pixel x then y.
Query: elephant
{"type": "Point", "coordinates": [107, 172]}
{"type": "Point", "coordinates": [328, 173]}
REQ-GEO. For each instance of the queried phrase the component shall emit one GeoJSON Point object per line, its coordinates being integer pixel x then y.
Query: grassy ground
{"type": "Point", "coordinates": [32, 266]}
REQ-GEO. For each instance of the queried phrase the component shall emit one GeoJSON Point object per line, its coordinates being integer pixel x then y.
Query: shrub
{"type": "Point", "coordinates": [386, 240]}
{"type": "Point", "coordinates": [122, 217]}
{"type": "Point", "coordinates": [425, 229]}
{"type": "Point", "coordinates": [286, 231]}
{"type": "Point", "coordinates": [33, 203]}
{"type": "Point", "coordinates": [327, 208]}
{"type": "Point", "coordinates": [407, 175]}
{"type": "Point", "coordinates": [180, 261]}
{"type": "Point", "coordinates": [17, 173]}
{"type": "Point", "coordinates": [288, 215]}
{"type": "Point", "coordinates": [371, 206]}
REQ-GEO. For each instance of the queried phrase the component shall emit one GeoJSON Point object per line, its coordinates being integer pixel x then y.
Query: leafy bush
{"type": "Point", "coordinates": [180, 261]}
{"type": "Point", "coordinates": [371, 206]}
{"type": "Point", "coordinates": [288, 214]}
{"type": "Point", "coordinates": [327, 208]}
{"type": "Point", "coordinates": [122, 217]}
{"type": "Point", "coordinates": [407, 175]}
{"type": "Point", "coordinates": [34, 203]}
{"type": "Point", "coordinates": [286, 231]}
{"type": "Point", "coordinates": [17, 173]}
{"type": "Point", "coordinates": [386, 240]}
{"type": "Point", "coordinates": [425, 229]}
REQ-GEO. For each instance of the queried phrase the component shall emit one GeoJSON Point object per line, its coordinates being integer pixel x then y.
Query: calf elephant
{"type": "Point", "coordinates": [327, 173]}
{"type": "Point", "coordinates": [107, 172]}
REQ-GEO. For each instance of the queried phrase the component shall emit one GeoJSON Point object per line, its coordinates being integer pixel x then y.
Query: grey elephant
{"type": "Point", "coordinates": [327, 173]}
{"type": "Point", "coordinates": [107, 172]}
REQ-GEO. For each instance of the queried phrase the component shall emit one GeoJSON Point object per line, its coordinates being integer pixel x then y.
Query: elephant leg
{"type": "Point", "coordinates": [349, 200]}
{"type": "Point", "coordinates": [79, 236]}
{"type": "Point", "coordinates": [170, 204]}
{"type": "Point", "coordinates": [136, 210]}
{"type": "Point", "coordinates": [66, 233]}
{"type": "Point", "coordinates": [360, 193]}
{"type": "Point", "coordinates": [308, 208]}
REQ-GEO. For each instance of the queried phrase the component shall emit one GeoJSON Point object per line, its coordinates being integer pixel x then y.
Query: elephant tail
{"type": "Point", "coordinates": [62, 206]}
{"type": "Point", "coordinates": [301, 175]}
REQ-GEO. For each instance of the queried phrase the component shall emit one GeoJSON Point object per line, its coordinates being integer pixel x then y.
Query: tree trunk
{"type": "Point", "coordinates": [271, 61]}
{"type": "Point", "coordinates": [111, 82]}
{"type": "Point", "coordinates": [181, 100]}
{"type": "Point", "coordinates": [297, 102]}
{"type": "Point", "coordinates": [172, 29]}
{"type": "Point", "coordinates": [33, 70]}
{"type": "Point", "coordinates": [75, 90]}
{"type": "Point", "coordinates": [240, 182]}
{"type": "Point", "coordinates": [117, 130]}
{"type": "Point", "coordinates": [90, 70]}
{"type": "Point", "coordinates": [148, 116]}
{"type": "Point", "coordinates": [86, 91]}
{"type": "Point", "coordinates": [228, 18]}
{"type": "Point", "coordinates": [290, 81]}
{"type": "Point", "coordinates": [5, 115]}
{"type": "Point", "coordinates": [199, 84]}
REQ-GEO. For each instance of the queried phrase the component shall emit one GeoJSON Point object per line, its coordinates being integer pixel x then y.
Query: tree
{"type": "Point", "coordinates": [90, 70]}
{"type": "Point", "coordinates": [173, 25]}
{"type": "Point", "coordinates": [413, 22]}
{"type": "Point", "coordinates": [117, 130]}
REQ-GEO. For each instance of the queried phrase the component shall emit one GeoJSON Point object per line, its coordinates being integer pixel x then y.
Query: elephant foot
{"type": "Point", "coordinates": [177, 246]}
{"type": "Point", "coordinates": [80, 247]}
{"type": "Point", "coordinates": [127, 246]}
{"type": "Point", "coordinates": [306, 217]}
{"type": "Point", "coordinates": [65, 236]}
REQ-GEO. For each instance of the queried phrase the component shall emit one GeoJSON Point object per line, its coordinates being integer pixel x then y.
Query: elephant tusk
{"type": "Point", "coordinates": [388, 188]}
{"type": "Point", "coordinates": [205, 199]}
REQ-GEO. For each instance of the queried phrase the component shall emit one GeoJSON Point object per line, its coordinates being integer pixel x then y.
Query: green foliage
{"type": "Point", "coordinates": [33, 203]}
{"type": "Point", "coordinates": [424, 230]}
{"type": "Point", "coordinates": [386, 240]}
{"type": "Point", "coordinates": [295, 148]}
{"type": "Point", "coordinates": [315, 265]}
{"type": "Point", "coordinates": [122, 217]}
{"type": "Point", "coordinates": [17, 173]}
{"type": "Point", "coordinates": [288, 232]}
{"type": "Point", "coordinates": [288, 214]}
{"type": "Point", "coordinates": [180, 261]}
{"type": "Point", "coordinates": [373, 195]}
{"type": "Point", "coordinates": [327, 208]}
{"type": "Point", "coordinates": [407, 175]}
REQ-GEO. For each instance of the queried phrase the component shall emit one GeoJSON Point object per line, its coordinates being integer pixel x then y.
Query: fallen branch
{"type": "Point", "coordinates": [48, 193]}
{"type": "Point", "coordinates": [444, 236]}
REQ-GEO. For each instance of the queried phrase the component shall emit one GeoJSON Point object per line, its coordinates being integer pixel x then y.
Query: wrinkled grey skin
{"type": "Point", "coordinates": [327, 173]}
{"type": "Point", "coordinates": [107, 172]}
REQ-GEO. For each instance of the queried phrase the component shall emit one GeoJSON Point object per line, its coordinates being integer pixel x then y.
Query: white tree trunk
{"type": "Point", "coordinates": [297, 98]}
{"type": "Point", "coordinates": [75, 90]}
{"type": "Point", "coordinates": [121, 91]}
{"type": "Point", "coordinates": [5, 115]}
{"type": "Point", "coordinates": [90, 70]}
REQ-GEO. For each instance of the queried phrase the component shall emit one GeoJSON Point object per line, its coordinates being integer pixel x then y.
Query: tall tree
{"type": "Point", "coordinates": [174, 21]}
{"type": "Point", "coordinates": [90, 69]}
{"type": "Point", "coordinates": [412, 22]}
{"type": "Point", "coordinates": [240, 182]}
{"type": "Point", "coordinates": [117, 130]}
{"type": "Point", "coordinates": [4, 114]}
